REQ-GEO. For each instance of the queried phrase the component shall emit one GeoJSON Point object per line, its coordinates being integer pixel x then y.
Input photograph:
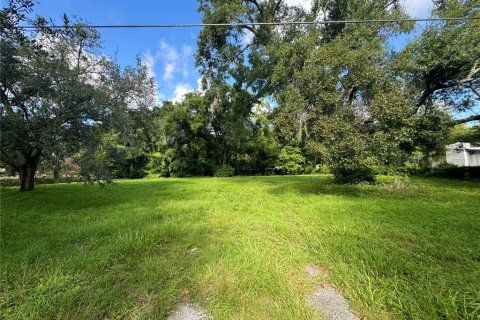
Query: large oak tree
{"type": "Point", "coordinates": [58, 94]}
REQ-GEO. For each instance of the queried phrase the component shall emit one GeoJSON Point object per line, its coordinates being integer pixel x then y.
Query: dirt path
{"type": "Point", "coordinates": [326, 301]}
{"type": "Point", "coordinates": [188, 311]}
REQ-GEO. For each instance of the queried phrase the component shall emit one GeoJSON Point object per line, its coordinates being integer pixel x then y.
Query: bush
{"type": "Point", "coordinates": [409, 169]}
{"type": "Point", "coordinates": [181, 174]}
{"type": "Point", "coordinates": [385, 170]}
{"type": "Point", "coordinates": [157, 165]}
{"type": "Point", "coordinates": [324, 169]}
{"type": "Point", "coordinates": [353, 175]}
{"type": "Point", "coordinates": [309, 169]}
{"type": "Point", "coordinates": [446, 170]}
{"type": "Point", "coordinates": [292, 161]}
{"type": "Point", "coordinates": [224, 171]}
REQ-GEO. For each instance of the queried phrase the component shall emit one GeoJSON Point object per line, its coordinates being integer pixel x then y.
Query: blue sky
{"type": "Point", "coordinates": [168, 52]}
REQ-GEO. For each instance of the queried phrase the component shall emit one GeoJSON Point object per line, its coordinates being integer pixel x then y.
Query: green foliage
{"type": "Point", "coordinates": [324, 170]}
{"type": "Point", "coordinates": [353, 175]}
{"type": "Point", "coordinates": [342, 100]}
{"type": "Point", "coordinates": [156, 164]}
{"type": "Point", "coordinates": [343, 96]}
{"type": "Point", "coordinates": [443, 62]}
{"type": "Point", "coordinates": [446, 170]}
{"type": "Point", "coordinates": [224, 171]}
{"type": "Point", "coordinates": [223, 126]}
{"type": "Point", "coordinates": [462, 133]}
{"type": "Point", "coordinates": [408, 169]}
{"type": "Point", "coordinates": [443, 170]}
{"type": "Point", "coordinates": [291, 160]}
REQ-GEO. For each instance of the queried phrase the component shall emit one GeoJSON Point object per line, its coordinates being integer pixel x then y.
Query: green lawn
{"type": "Point", "coordinates": [239, 248]}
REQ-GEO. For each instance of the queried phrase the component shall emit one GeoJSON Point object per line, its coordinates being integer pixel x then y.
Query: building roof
{"type": "Point", "coordinates": [463, 145]}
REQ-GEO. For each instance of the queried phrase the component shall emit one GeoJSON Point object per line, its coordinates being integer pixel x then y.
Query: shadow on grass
{"type": "Point", "coordinates": [46, 199]}
{"type": "Point", "coordinates": [311, 185]}
{"type": "Point", "coordinates": [384, 188]}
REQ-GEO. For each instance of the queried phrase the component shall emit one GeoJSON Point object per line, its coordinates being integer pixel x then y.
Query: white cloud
{"type": "Point", "coordinates": [199, 84]}
{"type": "Point", "coordinates": [168, 52]}
{"type": "Point", "coordinates": [305, 4]}
{"type": "Point", "coordinates": [150, 62]}
{"type": "Point", "coordinates": [169, 71]}
{"type": "Point", "coordinates": [175, 62]}
{"type": "Point", "coordinates": [418, 8]}
{"type": "Point", "coordinates": [170, 56]}
{"type": "Point", "coordinates": [181, 89]}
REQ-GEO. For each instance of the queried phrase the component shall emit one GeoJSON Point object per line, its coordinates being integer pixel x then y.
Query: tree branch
{"type": "Point", "coordinates": [425, 96]}
{"type": "Point", "coordinates": [475, 91]}
{"type": "Point", "coordinates": [468, 119]}
{"type": "Point", "coordinates": [240, 52]}
{"type": "Point", "coordinates": [259, 7]}
{"type": "Point", "coordinates": [276, 8]}
{"type": "Point", "coordinates": [473, 72]}
{"type": "Point", "coordinates": [468, 79]}
{"type": "Point", "coordinates": [251, 29]}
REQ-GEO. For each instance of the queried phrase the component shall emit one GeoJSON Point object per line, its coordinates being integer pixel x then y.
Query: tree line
{"type": "Point", "coordinates": [289, 100]}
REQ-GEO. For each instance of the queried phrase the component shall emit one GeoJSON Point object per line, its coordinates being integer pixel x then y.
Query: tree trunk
{"type": "Point", "coordinates": [466, 120]}
{"type": "Point", "coordinates": [56, 174]}
{"type": "Point", "coordinates": [27, 173]}
{"type": "Point", "coordinates": [56, 170]}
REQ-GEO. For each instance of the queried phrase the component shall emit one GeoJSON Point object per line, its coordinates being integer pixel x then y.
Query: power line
{"type": "Point", "coordinates": [250, 24]}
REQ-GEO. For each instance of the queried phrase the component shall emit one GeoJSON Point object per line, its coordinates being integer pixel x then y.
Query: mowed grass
{"type": "Point", "coordinates": [239, 248]}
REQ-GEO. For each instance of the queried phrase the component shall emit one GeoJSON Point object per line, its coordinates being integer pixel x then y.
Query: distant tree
{"type": "Point", "coordinates": [463, 133]}
{"type": "Point", "coordinates": [188, 147]}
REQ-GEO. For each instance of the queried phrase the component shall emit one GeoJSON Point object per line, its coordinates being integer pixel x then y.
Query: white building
{"type": "Point", "coordinates": [463, 155]}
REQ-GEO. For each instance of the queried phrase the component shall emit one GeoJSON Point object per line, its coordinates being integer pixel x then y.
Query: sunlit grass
{"type": "Point", "coordinates": [239, 247]}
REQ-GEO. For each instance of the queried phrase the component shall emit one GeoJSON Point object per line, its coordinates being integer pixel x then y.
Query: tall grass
{"type": "Point", "coordinates": [239, 247]}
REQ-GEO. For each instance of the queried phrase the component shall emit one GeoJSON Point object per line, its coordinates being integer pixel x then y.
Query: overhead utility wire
{"type": "Point", "coordinates": [246, 24]}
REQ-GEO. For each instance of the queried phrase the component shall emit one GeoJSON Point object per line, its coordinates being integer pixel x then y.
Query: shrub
{"type": "Point", "coordinates": [224, 171]}
{"type": "Point", "coordinates": [309, 169]}
{"type": "Point", "coordinates": [181, 174]}
{"type": "Point", "coordinates": [324, 169]}
{"type": "Point", "coordinates": [384, 170]}
{"type": "Point", "coordinates": [409, 169]}
{"type": "Point", "coordinates": [353, 175]}
{"type": "Point", "coordinates": [446, 170]}
{"type": "Point", "coordinates": [157, 165]}
{"type": "Point", "coordinates": [292, 160]}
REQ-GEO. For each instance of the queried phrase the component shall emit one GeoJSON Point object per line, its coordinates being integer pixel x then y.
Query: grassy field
{"type": "Point", "coordinates": [239, 248]}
